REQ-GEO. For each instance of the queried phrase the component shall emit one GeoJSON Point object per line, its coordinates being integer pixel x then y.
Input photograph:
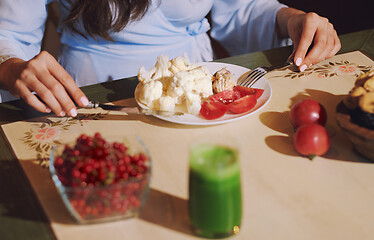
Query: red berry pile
{"type": "Point", "coordinates": [103, 179]}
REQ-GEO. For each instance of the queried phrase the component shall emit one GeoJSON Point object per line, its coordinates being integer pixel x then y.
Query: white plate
{"type": "Point", "coordinates": [239, 72]}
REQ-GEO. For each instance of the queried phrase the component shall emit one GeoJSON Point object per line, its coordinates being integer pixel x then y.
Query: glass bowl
{"type": "Point", "coordinates": [95, 203]}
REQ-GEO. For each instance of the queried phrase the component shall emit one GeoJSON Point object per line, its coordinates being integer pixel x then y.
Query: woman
{"type": "Point", "coordinates": [110, 39]}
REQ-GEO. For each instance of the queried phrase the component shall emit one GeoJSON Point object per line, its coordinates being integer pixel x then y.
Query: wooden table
{"type": "Point", "coordinates": [285, 196]}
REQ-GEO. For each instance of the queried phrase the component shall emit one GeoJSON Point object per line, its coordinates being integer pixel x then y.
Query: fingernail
{"type": "Point", "coordinates": [84, 101]}
{"type": "Point", "coordinates": [62, 113]}
{"type": "Point", "coordinates": [298, 61]}
{"type": "Point", "coordinates": [48, 110]}
{"type": "Point", "coordinates": [302, 68]}
{"type": "Point", "coordinates": [73, 112]}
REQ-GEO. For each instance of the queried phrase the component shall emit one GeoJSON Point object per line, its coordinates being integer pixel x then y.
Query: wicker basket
{"type": "Point", "coordinates": [361, 137]}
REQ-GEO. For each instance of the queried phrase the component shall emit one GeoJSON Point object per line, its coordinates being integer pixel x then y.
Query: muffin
{"type": "Point", "coordinates": [355, 115]}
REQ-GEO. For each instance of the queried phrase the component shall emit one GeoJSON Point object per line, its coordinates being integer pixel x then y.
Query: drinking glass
{"type": "Point", "coordinates": [215, 199]}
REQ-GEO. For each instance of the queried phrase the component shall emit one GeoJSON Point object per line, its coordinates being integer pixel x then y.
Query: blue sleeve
{"type": "Point", "coordinates": [243, 26]}
{"type": "Point", "coordinates": [22, 27]}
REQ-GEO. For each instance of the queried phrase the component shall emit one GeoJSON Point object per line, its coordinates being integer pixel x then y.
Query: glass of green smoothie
{"type": "Point", "coordinates": [215, 199]}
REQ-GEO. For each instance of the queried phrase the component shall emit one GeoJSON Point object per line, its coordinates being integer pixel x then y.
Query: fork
{"type": "Point", "coordinates": [254, 76]}
{"type": "Point", "coordinates": [258, 73]}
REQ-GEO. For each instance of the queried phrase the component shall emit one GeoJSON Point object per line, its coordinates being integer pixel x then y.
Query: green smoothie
{"type": "Point", "coordinates": [215, 203]}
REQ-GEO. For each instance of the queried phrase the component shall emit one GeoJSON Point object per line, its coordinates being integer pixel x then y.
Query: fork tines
{"type": "Point", "coordinates": [253, 77]}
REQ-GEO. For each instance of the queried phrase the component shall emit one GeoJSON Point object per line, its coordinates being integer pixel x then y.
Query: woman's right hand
{"type": "Point", "coordinates": [48, 79]}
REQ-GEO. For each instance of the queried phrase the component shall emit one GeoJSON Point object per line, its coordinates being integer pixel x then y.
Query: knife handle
{"type": "Point", "coordinates": [92, 104]}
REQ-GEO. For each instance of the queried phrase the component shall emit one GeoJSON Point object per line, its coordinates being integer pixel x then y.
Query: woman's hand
{"type": "Point", "coordinates": [314, 37]}
{"type": "Point", "coordinates": [48, 79]}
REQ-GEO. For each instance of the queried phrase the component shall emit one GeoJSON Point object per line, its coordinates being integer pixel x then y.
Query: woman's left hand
{"type": "Point", "coordinates": [314, 37]}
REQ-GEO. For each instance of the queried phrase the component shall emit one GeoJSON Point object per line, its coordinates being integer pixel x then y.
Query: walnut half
{"type": "Point", "coordinates": [223, 80]}
{"type": "Point", "coordinates": [362, 94]}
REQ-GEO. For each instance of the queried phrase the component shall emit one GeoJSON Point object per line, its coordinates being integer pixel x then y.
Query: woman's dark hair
{"type": "Point", "coordinates": [100, 17]}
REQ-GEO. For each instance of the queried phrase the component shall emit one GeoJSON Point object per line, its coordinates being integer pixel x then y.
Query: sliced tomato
{"type": "Point", "coordinates": [226, 97]}
{"type": "Point", "coordinates": [239, 100]}
{"type": "Point", "coordinates": [213, 109]}
{"type": "Point", "coordinates": [243, 104]}
{"type": "Point", "coordinates": [244, 91]}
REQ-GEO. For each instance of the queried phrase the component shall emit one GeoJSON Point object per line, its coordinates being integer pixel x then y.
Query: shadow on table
{"type": "Point", "coordinates": [340, 149]}
{"type": "Point", "coordinates": [18, 200]}
{"type": "Point", "coordinates": [167, 211]}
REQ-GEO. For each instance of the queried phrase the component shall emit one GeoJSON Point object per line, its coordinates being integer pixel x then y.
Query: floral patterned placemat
{"type": "Point", "coordinates": [330, 68]}
{"type": "Point", "coordinates": [31, 140]}
{"type": "Point", "coordinates": [46, 132]}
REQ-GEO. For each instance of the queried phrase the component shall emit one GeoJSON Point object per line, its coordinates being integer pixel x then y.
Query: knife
{"type": "Point", "coordinates": [131, 110]}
